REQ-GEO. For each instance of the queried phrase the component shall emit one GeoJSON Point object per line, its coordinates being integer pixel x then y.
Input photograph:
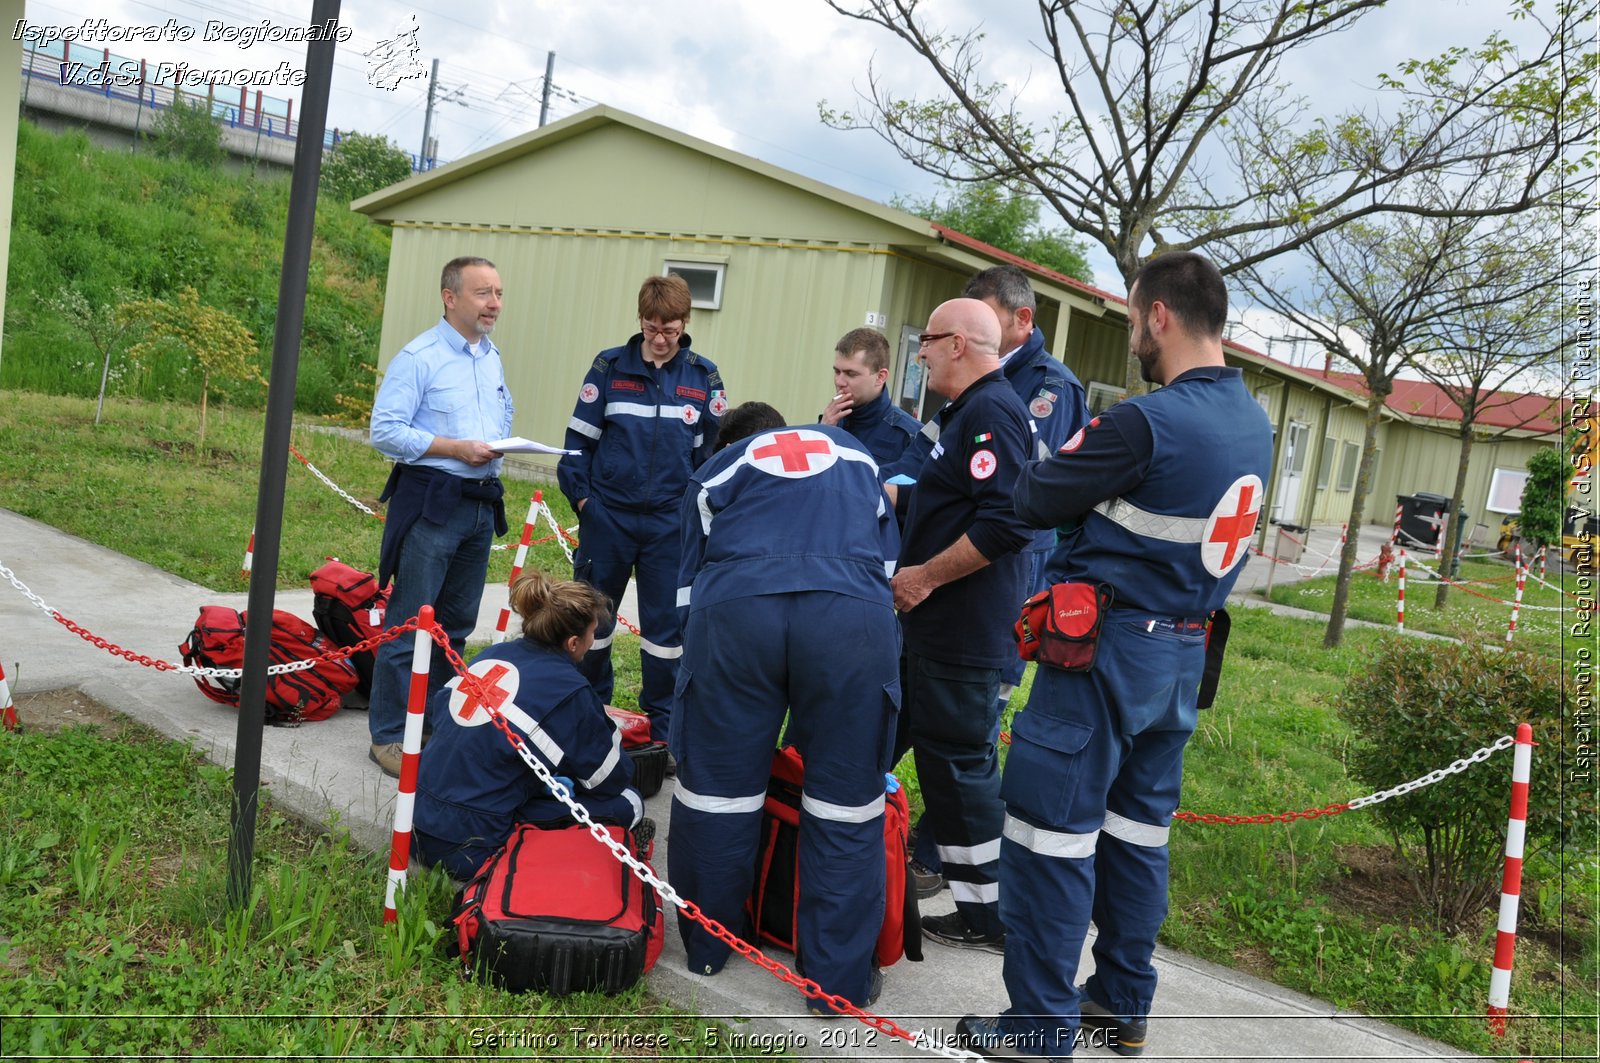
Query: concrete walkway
{"type": "Point", "coordinates": [321, 770]}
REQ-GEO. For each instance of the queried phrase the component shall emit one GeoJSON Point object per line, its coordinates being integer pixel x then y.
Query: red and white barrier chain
{"type": "Point", "coordinates": [341, 492]}
{"type": "Point", "coordinates": [1505, 945]}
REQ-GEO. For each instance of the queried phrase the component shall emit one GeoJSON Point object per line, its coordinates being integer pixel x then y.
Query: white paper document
{"type": "Point", "coordinates": [519, 445]}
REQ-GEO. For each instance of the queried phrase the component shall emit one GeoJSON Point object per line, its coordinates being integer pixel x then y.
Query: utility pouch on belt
{"type": "Point", "coordinates": [1060, 625]}
{"type": "Point", "coordinates": [1216, 645]}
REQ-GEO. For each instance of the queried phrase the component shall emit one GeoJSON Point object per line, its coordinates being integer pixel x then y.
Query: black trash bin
{"type": "Point", "coordinates": [1421, 518]}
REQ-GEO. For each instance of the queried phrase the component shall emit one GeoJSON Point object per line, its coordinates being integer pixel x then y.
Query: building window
{"type": "Point", "coordinates": [1505, 490]}
{"type": "Point", "coordinates": [1102, 397]}
{"type": "Point", "coordinates": [1325, 463]}
{"type": "Point", "coordinates": [1349, 467]}
{"type": "Point", "coordinates": [704, 280]}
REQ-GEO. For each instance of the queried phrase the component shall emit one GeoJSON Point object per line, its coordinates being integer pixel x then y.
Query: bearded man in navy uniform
{"type": "Point", "coordinates": [1162, 494]}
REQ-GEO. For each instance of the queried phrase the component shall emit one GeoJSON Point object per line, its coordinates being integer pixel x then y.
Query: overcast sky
{"type": "Point", "coordinates": [745, 74]}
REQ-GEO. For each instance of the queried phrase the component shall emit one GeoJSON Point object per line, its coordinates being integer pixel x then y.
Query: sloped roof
{"type": "Point", "coordinates": [1499, 409]}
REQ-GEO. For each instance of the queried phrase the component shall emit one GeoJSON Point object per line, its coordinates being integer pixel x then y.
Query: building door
{"type": "Point", "coordinates": [911, 392]}
{"type": "Point", "coordinates": [1286, 500]}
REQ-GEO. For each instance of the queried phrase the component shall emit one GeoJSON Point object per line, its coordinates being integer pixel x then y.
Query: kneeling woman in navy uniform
{"type": "Point", "coordinates": [473, 786]}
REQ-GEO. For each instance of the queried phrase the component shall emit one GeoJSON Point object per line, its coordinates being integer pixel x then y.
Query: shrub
{"type": "Point", "coordinates": [1419, 706]}
{"type": "Point", "coordinates": [1544, 495]}
{"type": "Point", "coordinates": [361, 163]}
{"type": "Point", "coordinates": [188, 131]}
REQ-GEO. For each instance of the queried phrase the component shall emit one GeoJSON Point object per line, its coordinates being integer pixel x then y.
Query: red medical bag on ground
{"type": "Point", "coordinates": [554, 911]}
{"type": "Point", "coordinates": [775, 898]}
{"type": "Point", "coordinates": [349, 608]}
{"type": "Point", "coordinates": [293, 698]}
{"type": "Point", "coordinates": [649, 758]}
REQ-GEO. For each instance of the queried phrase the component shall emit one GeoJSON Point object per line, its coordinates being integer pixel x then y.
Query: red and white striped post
{"type": "Point", "coordinates": [249, 555]}
{"type": "Point", "coordinates": [1441, 522]}
{"type": "Point", "coordinates": [8, 711]}
{"type": "Point", "coordinates": [517, 562]}
{"type": "Point", "coordinates": [1516, 603]}
{"type": "Point", "coordinates": [1394, 535]}
{"type": "Point", "coordinates": [1543, 550]}
{"type": "Point", "coordinates": [1505, 945]}
{"type": "Point", "coordinates": [410, 756]}
{"type": "Point", "coordinates": [1400, 601]}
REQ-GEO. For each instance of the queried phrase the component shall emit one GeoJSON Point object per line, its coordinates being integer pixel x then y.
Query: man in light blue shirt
{"type": "Point", "coordinates": [442, 397]}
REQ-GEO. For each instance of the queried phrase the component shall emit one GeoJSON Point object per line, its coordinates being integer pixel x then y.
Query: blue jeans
{"type": "Point", "coordinates": [444, 565]}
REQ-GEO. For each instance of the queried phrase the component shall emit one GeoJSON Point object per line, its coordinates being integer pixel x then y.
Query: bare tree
{"type": "Point", "coordinates": [1154, 95]}
{"type": "Point", "coordinates": [1510, 331]}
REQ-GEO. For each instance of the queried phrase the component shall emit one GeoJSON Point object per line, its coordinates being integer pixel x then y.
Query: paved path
{"type": "Point", "coordinates": [321, 770]}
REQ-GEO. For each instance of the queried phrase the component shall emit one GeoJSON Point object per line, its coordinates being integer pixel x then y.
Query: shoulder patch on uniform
{"type": "Point", "coordinates": [718, 404]}
{"type": "Point", "coordinates": [588, 393]}
{"type": "Point", "coordinates": [714, 381]}
{"type": "Point", "coordinates": [983, 464]}
{"type": "Point", "coordinates": [1077, 437]}
{"type": "Point", "coordinates": [600, 364]}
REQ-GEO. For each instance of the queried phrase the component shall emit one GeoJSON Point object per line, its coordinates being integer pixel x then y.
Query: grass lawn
{"type": "Point", "coordinates": [1541, 626]}
{"type": "Point", "coordinates": [1318, 905]}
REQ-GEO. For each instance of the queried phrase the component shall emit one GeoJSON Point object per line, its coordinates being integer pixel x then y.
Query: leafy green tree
{"type": "Point", "coordinates": [101, 324]}
{"type": "Point", "coordinates": [1544, 496]}
{"type": "Point", "coordinates": [1007, 218]}
{"type": "Point", "coordinates": [188, 131]}
{"type": "Point", "coordinates": [361, 163]}
{"type": "Point", "coordinates": [217, 341]}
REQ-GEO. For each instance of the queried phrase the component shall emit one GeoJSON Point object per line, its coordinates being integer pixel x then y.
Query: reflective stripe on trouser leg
{"type": "Point", "coordinates": [951, 711]}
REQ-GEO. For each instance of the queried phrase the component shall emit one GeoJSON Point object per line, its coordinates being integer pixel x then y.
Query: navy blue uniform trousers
{"type": "Point", "coordinates": [830, 660]}
{"type": "Point", "coordinates": [614, 545]}
{"type": "Point", "coordinates": [1090, 787]}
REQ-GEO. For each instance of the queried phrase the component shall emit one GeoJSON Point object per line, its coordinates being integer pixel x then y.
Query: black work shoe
{"type": "Point", "coordinates": [874, 991]}
{"type": "Point", "coordinates": [952, 929]}
{"type": "Point", "coordinates": [1124, 1037]}
{"type": "Point", "coordinates": [987, 1039]}
{"type": "Point", "coordinates": [924, 880]}
{"type": "Point", "coordinates": [672, 765]}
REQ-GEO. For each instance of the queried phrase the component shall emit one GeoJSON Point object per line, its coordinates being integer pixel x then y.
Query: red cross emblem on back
{"type": "Point", "coordinates": [792, 453]}
{"type": "Point", "coordinates": [1231, 525]}
{"type": "Point", "coordinates": [484, 690]}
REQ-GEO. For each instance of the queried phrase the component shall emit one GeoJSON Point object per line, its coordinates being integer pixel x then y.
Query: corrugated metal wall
{"type": "Point", "coordinates": [1096, 348]}
{"type": "Point", "coordinates": [569, 296]}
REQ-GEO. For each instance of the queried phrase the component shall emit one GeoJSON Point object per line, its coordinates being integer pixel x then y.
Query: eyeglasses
{"type": "Point", "coordinates": [670, 333]}
{"type": "Point", "coordinates": [932, 337]}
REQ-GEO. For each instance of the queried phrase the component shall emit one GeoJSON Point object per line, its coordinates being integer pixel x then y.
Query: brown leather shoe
{"type": "Point", "coordinates": [387, 756]}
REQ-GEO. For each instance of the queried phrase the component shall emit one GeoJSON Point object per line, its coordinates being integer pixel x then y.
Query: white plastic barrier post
{"type": "Point", "coordinates": [249, 555]}
{"type": "Point", "coordinates": [1516, 604]}
{"type": "Point", "coordinates": [1400, 601]}
{"type": "Point", "coordinates": [410, 757]}
{"type": "Point", "coordinates": [8, 711]}
{"type": "Point", "coordinates": [1505, 945]}
{"type": "Point", "coordinates": [517, 562]}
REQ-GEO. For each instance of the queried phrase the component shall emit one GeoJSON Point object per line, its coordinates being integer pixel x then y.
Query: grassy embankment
{"type": "Point", "coordinates": [1316, 905]}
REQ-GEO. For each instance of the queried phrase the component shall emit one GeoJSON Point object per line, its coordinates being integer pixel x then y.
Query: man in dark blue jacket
{"type": "Point", "coordinates": [788, 541]}
{"type": "Point", "coordinates": [861, 404]}
{"type": "Point", "coordinates": [1158, 497]}
{"type": "Point", "coordinates": [958, 584]}
{"type": "Point", "coordinates": [647, 416]}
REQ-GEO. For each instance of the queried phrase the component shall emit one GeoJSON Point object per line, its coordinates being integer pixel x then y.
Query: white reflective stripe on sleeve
{"type": "Point", "coordinates": [608, 765]}
{"type": "Point", "coordinates": [1153, 525]}
{"type": "Point", "coordinates": [974, 892]}
{"type": "Point", "coordinates": [970, 854]}
{"type": "Point", "coordinates": [842, 813]}
{"type": "Point", "coordinates": [684, 594]}
{"type": "Point", "coordinates": [888, 569]}
{"type": "Point", "coordinates": [1049, 842]}
{"type": "Point", "coordinates": [632, 797]}
{"type": "Point", "coordinates": [720, 805]}
{"type": "Point", "coordinates": [605, 643]}
{"type": "Point", "coordinates": [584, 428]}
{"type": "Point", "coordinates": [666, 653]}
{"type": "Point", "coordinates": [536, 734]}
{"type": "Point", "coordinates": [1135, 833]}
{"type": "Point", "coordinates": [629, 409]}
{"type": "Point", "coordinates": [699, 439]}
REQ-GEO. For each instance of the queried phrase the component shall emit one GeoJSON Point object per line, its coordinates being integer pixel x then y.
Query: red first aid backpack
{"type": "Point", "coordinates": [774, 904]}
{"type": "Point", "coordinates": [649, 758]}
{"type": "Point", "coordinates": [293, 698]}
{"type": "Point", "coordinates": [349, 608]}
{"type": "Point", "coordinates": [554, 911]}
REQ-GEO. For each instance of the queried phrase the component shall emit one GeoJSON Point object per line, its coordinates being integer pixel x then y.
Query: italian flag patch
{"type": "Point", "coordinates": [984, 438]}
